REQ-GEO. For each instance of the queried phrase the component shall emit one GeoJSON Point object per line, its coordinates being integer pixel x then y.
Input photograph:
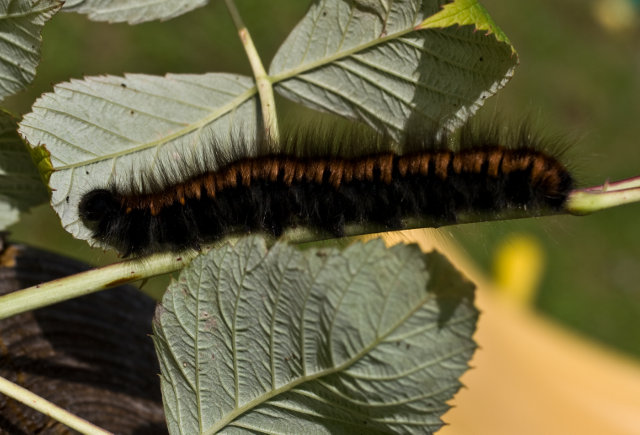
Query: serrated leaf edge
{"type": "Point", "coordinates": [463, 13]}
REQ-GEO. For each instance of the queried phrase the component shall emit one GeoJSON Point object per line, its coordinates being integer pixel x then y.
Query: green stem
{"type": "Point", "coordinates": [592, 199]}
{"type": "Point", "coordinates": [263, 81]}
{"type": "Point", "coordinates": [90, 281]}
{"type": "Point", "coordinates": [47, 408]}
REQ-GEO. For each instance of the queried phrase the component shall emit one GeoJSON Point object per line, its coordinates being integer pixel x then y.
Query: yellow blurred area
{"type": "Point", "coordinates": [529, 375]}
{"type": "Point", "coordinates": [615, 15]}
{"type": "Point", "coordinates": [518, 267]}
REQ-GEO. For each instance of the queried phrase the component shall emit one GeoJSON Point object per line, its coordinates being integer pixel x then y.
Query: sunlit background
{"type": "Point", "coordinates": [579, 76]}
{"type": "Point", "coordinates": [580, 79]}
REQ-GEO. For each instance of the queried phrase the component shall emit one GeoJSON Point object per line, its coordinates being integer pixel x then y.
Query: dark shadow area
{"type": "Point", "coordinates": [92, 355]}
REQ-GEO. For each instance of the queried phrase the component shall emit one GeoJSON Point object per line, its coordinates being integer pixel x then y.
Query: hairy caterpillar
{"type": "Point", "coordinates": [438, 179]}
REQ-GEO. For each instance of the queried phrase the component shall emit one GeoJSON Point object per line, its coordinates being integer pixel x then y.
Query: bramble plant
{"type": "Point", "coordinates": [257, 335]}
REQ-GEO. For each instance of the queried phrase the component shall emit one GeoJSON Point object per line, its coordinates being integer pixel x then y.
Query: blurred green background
{"type": "Point", "coordinates": [579, 75]}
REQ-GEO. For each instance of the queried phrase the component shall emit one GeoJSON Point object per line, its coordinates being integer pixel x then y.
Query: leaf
{"type": "Point", "coordinates": [377, 61]}
{"type": "Point", "coordinates": [368, 340]}
{"type": "Point", "coordinates": [109, 129]}
{"type": "Point", "coordinates": [132, 11]}
{"type": "Point", "coordinates": [20, 183]}
{"type": "Point", "coordinates": [21, 24]}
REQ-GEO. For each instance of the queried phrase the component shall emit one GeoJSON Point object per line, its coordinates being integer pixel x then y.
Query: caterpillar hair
{"type": "Point", "coordinates": [359, 178]}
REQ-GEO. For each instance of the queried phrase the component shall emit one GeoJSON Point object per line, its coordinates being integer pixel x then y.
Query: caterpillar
{"type": "Point", "coordinates": [428, 178]}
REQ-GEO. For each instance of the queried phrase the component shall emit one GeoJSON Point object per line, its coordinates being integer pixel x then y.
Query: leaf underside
{"type": "Point", "coordinates": [132, 11]}
{"type": "Point", "coordinates": [378, 62]}
{"type": "Point", "coordinates": [282, 341]}
{"type": "Point", "coordinates": [21, 24]}
{"type": "Point", "coordinates": [107, 129]}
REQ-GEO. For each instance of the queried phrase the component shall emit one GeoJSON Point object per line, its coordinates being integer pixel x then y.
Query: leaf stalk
{"type": "Point", "coordinates": [263, 81]}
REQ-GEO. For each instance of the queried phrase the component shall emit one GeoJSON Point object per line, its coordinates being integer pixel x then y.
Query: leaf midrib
{"type": "Point", "coordinates": [214, 115]}
{"type": "Point", "coordinates": [337, 56]}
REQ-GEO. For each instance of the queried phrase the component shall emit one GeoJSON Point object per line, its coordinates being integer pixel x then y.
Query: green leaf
{"type": "Point", "coordinates": [375, 61]}
{"type": "Point", "coordinates": [368, 340]}
{"type": "Point", "coordinates": [109, 129]}
{"type": "Point", "coordinates": [21, 24]}
{"type": "Point", "coordinates": [20, 184]}
{"type": "Point", "coordinates": [462, 13]}
{"type": "Point", "coordinates": [132, 11]}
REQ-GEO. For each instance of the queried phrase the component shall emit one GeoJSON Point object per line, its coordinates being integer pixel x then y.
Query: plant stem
{"type": "Point", "coordinates": [90, 281]}
{"type": "Point", "coordinates": [592, 199]}
{"type": "Point", "coordinates": [36, 402]}
{"type": "Point", "coordinates": [263, 81]}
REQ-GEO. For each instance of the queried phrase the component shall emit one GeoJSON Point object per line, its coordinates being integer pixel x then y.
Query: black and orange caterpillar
{"type": "Point", "coordinates": [273, 192]}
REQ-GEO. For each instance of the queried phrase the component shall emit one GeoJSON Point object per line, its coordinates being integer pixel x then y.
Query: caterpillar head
{"type": "Point", "coordinates": [96, 206]}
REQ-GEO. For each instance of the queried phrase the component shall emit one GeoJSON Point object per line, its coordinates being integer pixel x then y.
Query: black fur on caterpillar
{"type": "Point", "coordinates": [480, 172]}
